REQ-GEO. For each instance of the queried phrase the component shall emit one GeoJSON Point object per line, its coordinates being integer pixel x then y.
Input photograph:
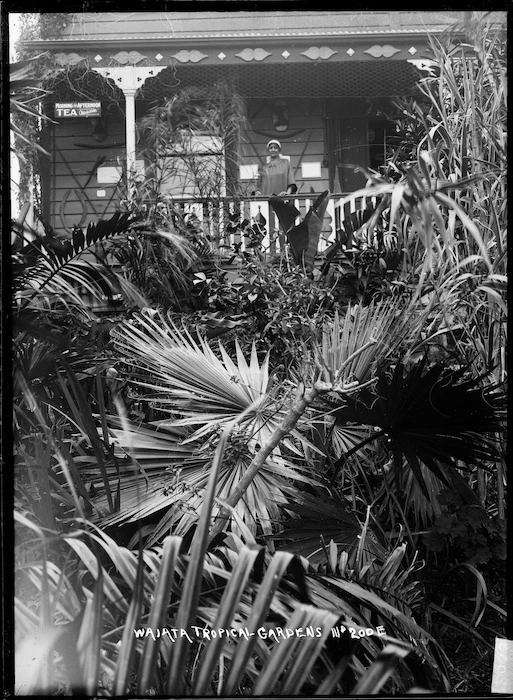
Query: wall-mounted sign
{"type": "Point", "coordinates": [248, 172]}
{"type": "Point", "coordinates": [78, 109]}
{"type": "Point", "coordinates": [111, 174]}
{"type": "Point", "coordinates": [310, 170]}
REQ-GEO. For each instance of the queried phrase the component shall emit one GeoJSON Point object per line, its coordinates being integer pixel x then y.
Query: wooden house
{"type": "Point", "coordinates": [321, 82]}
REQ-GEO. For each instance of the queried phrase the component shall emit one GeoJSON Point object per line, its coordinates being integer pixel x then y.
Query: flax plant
{"type": "Point", "coordinates": [445, 211]}
{"type": "Point", "coordinates": [467, 140]}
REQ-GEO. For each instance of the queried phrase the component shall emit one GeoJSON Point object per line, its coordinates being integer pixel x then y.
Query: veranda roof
{"type": "Point", "coordinates": [90, 28]}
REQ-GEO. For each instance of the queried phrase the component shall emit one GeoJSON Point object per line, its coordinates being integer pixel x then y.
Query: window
{"type": "Point", "coordinates": [193, 167]}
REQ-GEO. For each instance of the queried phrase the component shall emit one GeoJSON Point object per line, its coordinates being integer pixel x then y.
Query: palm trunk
{"type": "Point", "coordinates": [289, 422]}
{"type": "Point", "coordinates": [304, 399]}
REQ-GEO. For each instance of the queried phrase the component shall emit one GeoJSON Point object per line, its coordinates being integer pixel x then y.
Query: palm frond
{"type": "Point", "coordinates": [186, 377]}
{"type": "Point", "coordinates": [162, 472]}
{"type": "Point", "coordinates": [433, 416]}
{"type": "Point", "coordinates": [380, 670]}
{"type": "Point", "coordinates": [114, 660]}
{"type": "Point", "coordinates": [49, 271]}
{"type": "Point", "coordinates": [322, 519]}
{"type": "Point", "coordinates": [375, 329]}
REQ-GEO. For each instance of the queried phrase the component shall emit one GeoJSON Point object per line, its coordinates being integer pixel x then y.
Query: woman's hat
{"type": "Point", "coordinates": [274, 141]}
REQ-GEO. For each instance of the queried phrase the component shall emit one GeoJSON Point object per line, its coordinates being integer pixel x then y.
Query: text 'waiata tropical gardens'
{"type": "Point", "coordinates": [277, 634]}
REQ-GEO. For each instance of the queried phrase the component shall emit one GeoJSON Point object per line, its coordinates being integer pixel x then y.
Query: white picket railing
{"type": "Point", "coordinates": [214, 217]}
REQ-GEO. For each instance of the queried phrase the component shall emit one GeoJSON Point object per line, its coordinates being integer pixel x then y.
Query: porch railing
{"type": "Point", "coordinates": [218, 218]}
{"type": "Point", "coordinates": [221, 220]}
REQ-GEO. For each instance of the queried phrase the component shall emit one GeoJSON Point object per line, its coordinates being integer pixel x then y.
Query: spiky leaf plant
{"type": "Point", "coordinates": [122, 648]}
{"type": "Point", "coordinates": [323, 521]}
{"type": "Point", "coordinates": [160, 469]}
{"type": "Point", "coordinates": [49, 272]}
{"type": "Point", "coordinates": [116, 622]}
{"type": "Point", "coordinates": [433, 416]}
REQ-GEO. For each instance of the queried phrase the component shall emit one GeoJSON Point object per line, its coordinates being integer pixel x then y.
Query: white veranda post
{"type": "Point", "coordinates": [130, 78]}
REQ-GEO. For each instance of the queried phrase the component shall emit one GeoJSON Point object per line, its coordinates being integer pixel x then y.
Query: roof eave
{"type": "Point", "coordinates": [138, 42]}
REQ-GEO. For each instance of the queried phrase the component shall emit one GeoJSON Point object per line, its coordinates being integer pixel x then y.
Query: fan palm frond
{"type": "Point", "coordinates": [162, 472]}
{"type": "Point", "coordinates": [321, 519]}
{"type": "Point", "coordinates": [200, 388]}
{"type": "Point", "coordinates": [404, 487]}
{"type": "Point", "coordinates": [368, 332]}
{"type": "Point", "coordinates": [431, 416]}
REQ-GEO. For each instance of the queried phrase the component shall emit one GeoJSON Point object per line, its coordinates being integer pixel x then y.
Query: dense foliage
{"type": "Point", "coordinates": [272, 450]}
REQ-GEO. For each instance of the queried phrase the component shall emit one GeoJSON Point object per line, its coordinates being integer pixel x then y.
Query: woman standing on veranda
{"type": "Point", "coordinates": [275, 177]}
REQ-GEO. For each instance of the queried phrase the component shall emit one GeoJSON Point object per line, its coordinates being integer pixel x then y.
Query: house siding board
{"type": "Point", "coordinates": [72, 167]}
